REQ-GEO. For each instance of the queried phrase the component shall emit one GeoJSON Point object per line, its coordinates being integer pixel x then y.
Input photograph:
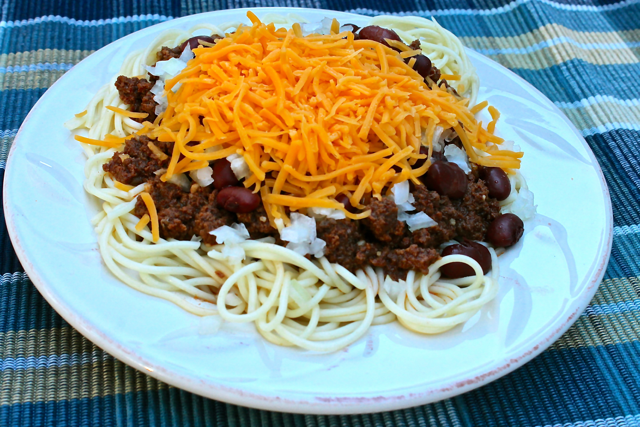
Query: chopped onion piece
{"type": "Point", "coordinates": [523, 206]}
{"type": "Point", "coordinates": [181, 181]}
{"type": "Point", "coordinates": [393, 288]}
{"type": "Point", "coordinates": [158, 88]}
{"type": "Point", "coordinates": [187, 54]}
{"type": "Point", "coordinates": [237, 233]}
{"type": "Point", "coordinates": [509, 146]}
{"type": "Point", "coordinates": [401, 192]}
{"type": "Point", "coordinates": [202, 176]}
{"type": "Point", "coordinates": [301, 235]}
{"type": "Point", "coordinates": [239, 166]}
{"type": "Point", "coordinates": [234, 253]}
{"type": "Point", "coordinates": [313, 28]}
{"type": "Point", "coordinates": [403, 199]}
{"type": "Point", "coordinates": [455, 155]}
{"type": "Point", "coordinates": [416, 221]}
{"type": "Point", "coordinates": [231, 237]}
{"type": "Point", "coordinates": [326, 212]}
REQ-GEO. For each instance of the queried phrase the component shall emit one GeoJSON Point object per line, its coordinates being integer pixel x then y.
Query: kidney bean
{"type": "Point", "coordinates": [223, 175]}
{"type": "Point", "coordinates": [378, 34]}
{"type": "Point", "coordinates": [505, 230]}
{"type": "Point", "coordinates": [471, 249]}
{"type": "Point", "coordinates": [194, 42]}
{"type": "Point", "coordinates": [238, 199]}
{"type": "Point", "coordinates": [422, 65]}
{"type": "Point", "coordinates": [497, 182]}
{"type": "Point", "coordinates": [344, 199]}
{"type": "Point", "coordinates": [447, 179]}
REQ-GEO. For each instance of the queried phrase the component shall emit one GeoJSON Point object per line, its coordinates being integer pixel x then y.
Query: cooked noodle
{"type": "Point", "coordinates": [291, 300]}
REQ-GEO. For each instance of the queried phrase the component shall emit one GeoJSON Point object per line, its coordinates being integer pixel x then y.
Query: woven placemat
{"type": "Point", "coordinates": [583, 55]}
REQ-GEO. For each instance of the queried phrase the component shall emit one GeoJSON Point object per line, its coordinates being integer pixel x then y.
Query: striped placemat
{"type": "Point", "coordinates": [584, 55]}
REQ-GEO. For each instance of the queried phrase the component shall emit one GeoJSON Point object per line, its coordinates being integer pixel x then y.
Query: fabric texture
{"type": "Point", "coordinates": [583, 54]}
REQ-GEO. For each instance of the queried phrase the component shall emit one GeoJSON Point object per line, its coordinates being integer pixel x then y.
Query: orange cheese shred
{"type": "Point", "coordinates": [450, 76]}
{"type": "Point", "coordinates": [108, 144]}
{"type": "Point", "coordinates": [153, 214]}
{"type": "Point", "coordinates": [142, 223]}
{"type": "Point", "coordinates": [127, 113]}
{"type": "Point", "coordinates": [312, 116]}
{"type": "Point", "coordinates": [123, 187]}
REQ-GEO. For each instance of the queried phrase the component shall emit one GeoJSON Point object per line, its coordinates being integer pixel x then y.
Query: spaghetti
{"type": "Point", "coordinates": [292, 300]}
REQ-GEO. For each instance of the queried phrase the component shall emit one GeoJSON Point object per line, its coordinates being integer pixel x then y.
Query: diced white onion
{"type": "Point", "coordinates": [187, 54]}
{"type": "Point", "coordinates": [202, 176]}
{"type": "Point", "coordinates": [231, 237]}
{"type": "Point", "coordinates": [419, 221]}
{"type": "Point", "coordinates": [181, 181]}
{"type": "Point", "coordinates": [237, 233]}
{"type": "Point", "coordinates": [326, 213]}
{"type": "Point", "coordinates": [239, 166]}
{"type": "Point", "coordinates": [233, 253]}
{"type": "Point", "coordinates": [523, 206]}
{"type": "Point", "coordinates": [453, 154]}
{"type": "Point", "coordinates": [403, 200]}
{"type": "Point", "coordinates": [301, 235]}
{"type": "Point", "coordinates": [313, 28]}
{"type": "Point", "coordinates": [401, 192]}
{"type": "Point", "coordinates": [393, 288]}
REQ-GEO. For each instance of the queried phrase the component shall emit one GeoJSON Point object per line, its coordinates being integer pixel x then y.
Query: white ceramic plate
{"type": "Point", "coordinates": [546, 281]}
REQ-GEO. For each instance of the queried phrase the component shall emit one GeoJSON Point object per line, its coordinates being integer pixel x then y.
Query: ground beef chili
{"type": "Point", "coordinates": [136, 93]}
{"type": "Point", "coordinates": [137, 163]}
{"type": "Point", "coordinates": [383, 241]}
{"type": "Point", "coordinates": [379, 240]}
{"type": "Point", "coordinates": [167, 53]}
{"type": "Point", "coordinates": [182, 214]}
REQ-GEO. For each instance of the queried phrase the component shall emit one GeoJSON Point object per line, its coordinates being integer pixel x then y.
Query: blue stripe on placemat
{"type": "Point", "coordinates": [16, 104]}
{"type": "Point", "coordinates": [548, 393]}
{"type": "Point", "coordinates": [99, 10]}
{"type": "Point", "coordinates": [558, 84]}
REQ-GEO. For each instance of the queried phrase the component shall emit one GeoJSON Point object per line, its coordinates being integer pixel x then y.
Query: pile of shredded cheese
{"type": "Point", "coordinates": [313, 117]}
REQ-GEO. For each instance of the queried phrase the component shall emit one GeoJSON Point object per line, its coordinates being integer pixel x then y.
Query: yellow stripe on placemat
{"type": "Point", "coordinates": [606, 325]}
{"type": "Point", "coordinates": [37, 79]}
{"type": "Point", "coordinates": [548, 32]}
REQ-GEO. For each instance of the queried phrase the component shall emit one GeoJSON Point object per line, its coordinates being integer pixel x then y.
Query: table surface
{"type": "Point", "coordinates": [584, 55]}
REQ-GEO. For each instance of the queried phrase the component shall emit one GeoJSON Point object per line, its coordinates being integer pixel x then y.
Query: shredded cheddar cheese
{"type": "Point", "coordinates": [313, 117]}
{"type": "Point", "coordinates": [108, 144]}
{"type": "Point", "coordinates": [156, 151]}
{"type": "Point", "coordinates": [123, 187]}
{"type": "Point", "coordinates": [153, 214]}
{"type": "Point", "coordinates": [449, 77]}
{"type": "Point", "coordinates": [143, 222]}
{"type": "Point", "coordinates": [127, 113]}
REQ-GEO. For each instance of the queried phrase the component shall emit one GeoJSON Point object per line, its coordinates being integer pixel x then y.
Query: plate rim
{"type": "Point", "coordinates": [324, 405]}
